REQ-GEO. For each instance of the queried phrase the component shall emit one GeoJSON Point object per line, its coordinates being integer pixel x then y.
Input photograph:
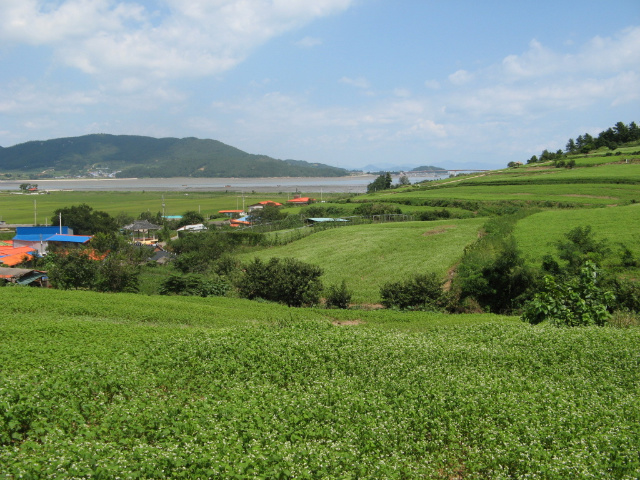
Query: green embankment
{"type": "Point", "coordinates": [367, 256]}
{"type": "Point", "coordinates": [118, 386]}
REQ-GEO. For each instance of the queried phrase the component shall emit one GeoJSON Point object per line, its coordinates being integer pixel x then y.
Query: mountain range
{"type": "Point", "coordinates": [127, 156]}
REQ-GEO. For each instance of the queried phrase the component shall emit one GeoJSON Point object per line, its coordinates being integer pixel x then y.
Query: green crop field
{"type": "Point", "coordinates": [17, 208]}
{"type": "Point", "coordinates": [367, 256]}
{"type": "Point", "coordinates": [116, 386]}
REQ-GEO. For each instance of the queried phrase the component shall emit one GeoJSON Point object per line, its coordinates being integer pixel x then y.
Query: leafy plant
{"type": "Point", "coordinates": [286, 280]}
{"type": "Point", "coordinates": [575, 301]}
{"type": "Point", "coordinates": [338, 296]}
{"type": "Point", "coordinates": [422, 291]}
{"type": "Point", "coordinates": [194, 285]}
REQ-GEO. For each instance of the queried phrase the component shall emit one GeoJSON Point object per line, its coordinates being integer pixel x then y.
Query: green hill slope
{"type": "Point", "coordinates": [136, 156]}
{"type": "Point", "coordinates": [367, 256]}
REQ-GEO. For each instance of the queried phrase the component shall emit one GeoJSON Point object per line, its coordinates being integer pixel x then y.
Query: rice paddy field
{"type": "Point", "coordinates": [101, 386]}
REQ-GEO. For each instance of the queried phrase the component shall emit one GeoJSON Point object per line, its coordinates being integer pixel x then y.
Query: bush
{"type": "Point", "coordinates": [338, 296]}
{"type": "Point", "coordinates": [627, 294]}
{"type": "Point", "coordinates": [194, 285]}
{"type": "Point", "coordinates": [368, 209]}
{"type": "Point", "coordinates": [574, 301]}
{"type": "Point", "coordinates": [286, 280]}
{"type": "Point", "coordinates": [423, 291]}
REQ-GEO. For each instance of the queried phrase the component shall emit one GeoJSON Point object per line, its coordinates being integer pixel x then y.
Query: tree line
{"type": "Point", "coordinates": [612, 138]}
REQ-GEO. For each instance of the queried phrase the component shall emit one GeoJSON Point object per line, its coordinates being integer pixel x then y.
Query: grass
{"type": "Point", "coordinates": [17, 208]}
{"type": "Point", "coordinates": [537, 233]}
{"type": "Point", "coordinates": [106, 386]}
{"type": "Point", "coordinates": [367, 256]}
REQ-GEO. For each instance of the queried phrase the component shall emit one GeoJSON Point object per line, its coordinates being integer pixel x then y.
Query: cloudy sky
{"type": "Point", "coordinates": [344, 82]}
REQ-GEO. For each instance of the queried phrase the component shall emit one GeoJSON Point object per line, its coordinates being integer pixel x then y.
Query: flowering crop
{"type": "Point", "coordinates": [84, 396]}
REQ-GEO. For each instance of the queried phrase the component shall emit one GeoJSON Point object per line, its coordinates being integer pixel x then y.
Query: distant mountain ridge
{"type": "Point", "coordinates": [139, 156]}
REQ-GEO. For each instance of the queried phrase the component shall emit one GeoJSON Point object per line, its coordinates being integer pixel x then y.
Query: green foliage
{"type": "Point", "coordinates": [71, 270]}
{"type": "Point", "coordinates": [580, 246]}
{"type": "Point", "coordinates": [190, 217]}
{"type": "Point", "coordinates": [268, 214]}
{"type": "Point", "coordinates": [574, 301]}
{"type": "Point", "coordinates": [369, 209]}
{"type": "Point", "coordinates": [492, 272]}
{"type": "Point", "coordinates": [627, 294]}
{"type": "Point", "coordinates": [117, 273]}
{"type": "Point", "coordinates": [84, 220]}
{"type": "Point", "coordinates": [286, 280]}
{"type": "Point", "coordinates": [338, 296]}
{"type": "Point", "coordinates": [383, 182]}
{"type": "Point", "coordinates": [195, 285]}
{"type": "Point", "coordinates": [431, 215]}
{"type": "Point", "coordinates": [420, 292]}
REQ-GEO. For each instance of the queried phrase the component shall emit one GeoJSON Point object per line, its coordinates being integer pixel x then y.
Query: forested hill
{"type": "Point", "coordinates": [136, 156]}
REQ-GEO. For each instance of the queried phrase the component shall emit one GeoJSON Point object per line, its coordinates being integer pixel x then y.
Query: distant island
{"type": "Point", "coordinates": [429, 168]}
{"type": "Point", "coordinates": [128, 156]}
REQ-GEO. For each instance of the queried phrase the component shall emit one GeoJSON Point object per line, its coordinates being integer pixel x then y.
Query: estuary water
{"type": "Point", "coordinates": [349, 184]}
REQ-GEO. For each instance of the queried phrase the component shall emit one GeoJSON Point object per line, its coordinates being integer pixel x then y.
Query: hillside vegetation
{"type": "Point", "coordinates": [136, 156]}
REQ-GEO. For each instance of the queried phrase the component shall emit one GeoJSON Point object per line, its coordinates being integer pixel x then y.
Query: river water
{"type": "Point", "coordinates": [352, 184]}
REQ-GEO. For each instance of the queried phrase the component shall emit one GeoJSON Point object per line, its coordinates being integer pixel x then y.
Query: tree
{"type": "Point", "coordinates": [571, 301]}
{"type": "Point", "coordinates": [71, 270]}
{"type": "Point", "coordinates": [117, 273]}
{"type": "Point", "coordinates": [86, 221]}
{"type": "Point", "coordinates": [383, 182]}
{"type": "Point", "coordinates": [404, 180]}
{"type": "Point", "coordinates": [286, 280]}
{"type": "Point", "coordinates": [191, 217]}
{"type": "Point", "coordinates": [581, 245]}
{"type": "Point", "coordinates": [268, 214]}
{"type": "Point", "coordinates": [571, 146]}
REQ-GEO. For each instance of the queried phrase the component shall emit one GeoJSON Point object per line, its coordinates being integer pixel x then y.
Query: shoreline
{"type": "Point", "coordinates": [345, 184]}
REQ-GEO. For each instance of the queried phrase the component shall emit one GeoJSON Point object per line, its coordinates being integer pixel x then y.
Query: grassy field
{"type": "Point", "coordinates": [537, 233]}
{"type": "Point", "coordinates": [115, 386]}
{"type": "Point", "coordinates": [16, 208]}
{"type": "Point", "coordinates": [367, 256]}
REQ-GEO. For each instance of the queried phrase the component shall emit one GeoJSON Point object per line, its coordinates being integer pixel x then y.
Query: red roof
{"type": "Point", "coordinates": [13, 256]}
{"type": "Point", "coordinates": [301, 200]}
{"type": "Point", "coordinates": [229, 211]}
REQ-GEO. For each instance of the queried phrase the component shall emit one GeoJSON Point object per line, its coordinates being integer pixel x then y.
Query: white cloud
{"type": "Point", "coordinates": [195, 38]}
{"type": "Point", "coordinates": [598, 56]}
{"type": "Point", "coordinates": [460, 77]}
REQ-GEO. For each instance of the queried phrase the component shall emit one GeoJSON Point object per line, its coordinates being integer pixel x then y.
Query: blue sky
{"type": "Point", "coordinates": [345, 82]}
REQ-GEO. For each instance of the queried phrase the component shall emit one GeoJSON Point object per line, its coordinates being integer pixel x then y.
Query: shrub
{"type": "Point", "coordinates": [338, 296]}
{"type": "Point", "coordinates": [423, 291]}
{"type": "Point", "coordinates": [627, 294]}
{"type": "Point", "coordinates": [194, 285]}
{"type": "Point", "coordinates": [367, 209]}
{"type": "Point", "coordinates": [286, 280]}
{"type": "Point", "coordinates": [574, 301]}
